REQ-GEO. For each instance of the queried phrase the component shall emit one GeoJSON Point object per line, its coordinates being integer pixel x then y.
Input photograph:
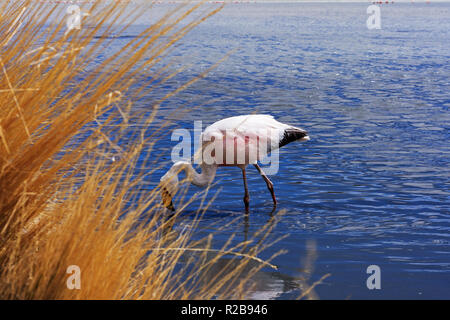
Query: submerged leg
{"type": "Point", "coordinates": [246, 196]}
{"type": "Point", "coordinates": [268, 182]}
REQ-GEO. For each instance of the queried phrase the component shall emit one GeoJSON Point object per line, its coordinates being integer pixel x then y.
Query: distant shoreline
{"type": "Point", "coordinates": [246, 1]}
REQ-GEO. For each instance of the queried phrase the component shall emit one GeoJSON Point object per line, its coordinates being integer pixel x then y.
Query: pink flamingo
{"type": "Point", "coordinates": [251, 137]}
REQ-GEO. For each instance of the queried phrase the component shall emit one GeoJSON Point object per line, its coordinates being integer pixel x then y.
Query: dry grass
{"type": "Point", "coordinates": [62, 201]}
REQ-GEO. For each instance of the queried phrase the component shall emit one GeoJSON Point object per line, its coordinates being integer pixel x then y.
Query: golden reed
{"type": "Point", "coordinates": [63, 202]}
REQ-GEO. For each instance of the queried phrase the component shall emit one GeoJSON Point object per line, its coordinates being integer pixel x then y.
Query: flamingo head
{"type": "Point", "coordinates": [169, 187]}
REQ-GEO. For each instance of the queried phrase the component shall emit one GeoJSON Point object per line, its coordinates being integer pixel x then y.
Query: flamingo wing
{"type": "Point", "coordinates": [253, 137]}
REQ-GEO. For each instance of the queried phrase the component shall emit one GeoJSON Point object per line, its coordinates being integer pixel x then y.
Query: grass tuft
{"type": "Point", "coordinates": [63, 202]}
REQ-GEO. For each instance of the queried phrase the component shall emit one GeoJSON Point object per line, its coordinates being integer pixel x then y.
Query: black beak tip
{"type": "Point", "coordinates": [171, 207]}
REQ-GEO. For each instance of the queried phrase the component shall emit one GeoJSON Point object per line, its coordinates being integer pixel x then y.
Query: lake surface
{"type": "Point", "coordinates": [371, 187]}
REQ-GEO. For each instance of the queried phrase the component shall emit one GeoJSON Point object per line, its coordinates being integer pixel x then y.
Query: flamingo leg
{"type": "Point", "coordinates": [246, 196]}
{"type": "Point", "coordinates": [268, 182]}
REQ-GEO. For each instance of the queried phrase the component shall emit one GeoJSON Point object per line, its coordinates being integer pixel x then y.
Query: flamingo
{"type": "Point", "coordinates": [235, 141]}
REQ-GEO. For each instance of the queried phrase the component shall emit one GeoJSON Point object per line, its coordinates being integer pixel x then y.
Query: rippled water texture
{"type": "Point", "coordinates": [372, 185]}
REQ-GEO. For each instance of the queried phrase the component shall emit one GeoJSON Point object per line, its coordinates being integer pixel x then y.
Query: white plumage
{"type": "Point", "coordinates": [236, 141]}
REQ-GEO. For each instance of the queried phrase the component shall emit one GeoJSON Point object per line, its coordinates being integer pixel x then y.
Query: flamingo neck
{"type": "Point", "coordinates": [202, 179]}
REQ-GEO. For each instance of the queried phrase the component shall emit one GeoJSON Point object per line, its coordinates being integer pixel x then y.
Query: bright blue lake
{"type": "Point", "coordinates": [372, 187]}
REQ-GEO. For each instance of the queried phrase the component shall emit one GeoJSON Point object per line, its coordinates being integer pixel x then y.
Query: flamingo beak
{"type": "Point", "coordinates": [167, 199]}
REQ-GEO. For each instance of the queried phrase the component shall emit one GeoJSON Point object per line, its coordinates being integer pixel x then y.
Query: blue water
{"type": "Point", "coordinates": [372, 185]}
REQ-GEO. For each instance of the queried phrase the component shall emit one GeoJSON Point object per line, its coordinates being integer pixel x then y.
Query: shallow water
{"type": "Point", "coordinates": [372, 185]}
